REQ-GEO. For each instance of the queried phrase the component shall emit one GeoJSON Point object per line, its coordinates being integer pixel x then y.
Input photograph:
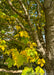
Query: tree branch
{"type": "Point", "coordinates": [11, 71]}
{"type": "Point", "coordinates": [23, 6]}
{"type": "Point", "coordinates": [20, 24]}
{"type": "Point", "coordinates": [32, 29]}
{"type": "Point", "coordinates": [35, 35]}
{"type": "Point", "coordinates": [39, 3]}
{"type": "Point", "coordinates": [14, 9]}
{"type": "Point", "coordinates": [40, 35]}
{"type": "Point", "coordinates": [11, 38]}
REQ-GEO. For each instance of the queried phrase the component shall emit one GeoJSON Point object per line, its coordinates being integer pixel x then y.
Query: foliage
{"type": "Point", "coordinates": [30, 71]}
{"type": "Point", "coordinates": [39, 71]}
{"type": "Point", "coordinates": [17, 38]}
{"type": "Point", "coordinates": [2, 44]}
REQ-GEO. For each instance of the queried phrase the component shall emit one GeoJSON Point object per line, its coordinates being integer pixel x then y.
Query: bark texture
{"type": "Point", "coordinates": [49, 31]}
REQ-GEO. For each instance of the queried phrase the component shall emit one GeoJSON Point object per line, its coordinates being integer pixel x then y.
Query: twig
{"type": "Point", "coordinates": [14, 9]}
{"type": "Point", "coordinates": [11, 71]}
{"type": "Point", "coordinates": [23, 6]}
{"type": "Point", "coordinates": [39, 3]}
{"type": "Point", "coordinates": [20, 24]}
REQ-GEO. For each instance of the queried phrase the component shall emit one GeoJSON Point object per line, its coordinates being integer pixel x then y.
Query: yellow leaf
{"type": "Point", "coordinates": [31, 46]}
{"type": "Point", "coordinates": [42, 65]}
{"type": "Point", "coordinates": [43, 60]}
{"type": "Point", "coordinates": [33, 60]}
{"type": "Point", "coordinates": [39, 71]}
{"type": "Point", "coordinates": [17, 35]}
{"type": "Point", "coordinates": [43, 25]}
{"type": "Point", "coordinates": [34, 44]}
{"type": "Point", "coordinates": [39, 28]}
{"type": "Point", "coordinates": [21, 34]}
{"type": "Point", "coordinates": [3, 48]}
{"type": "Point", "coordinates": [23, 53]}
{"type": "Point", "coordinates": [18, 27]}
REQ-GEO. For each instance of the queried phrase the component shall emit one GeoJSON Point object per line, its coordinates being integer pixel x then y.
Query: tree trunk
{"type": "Point", "coordinates": [49, 31]}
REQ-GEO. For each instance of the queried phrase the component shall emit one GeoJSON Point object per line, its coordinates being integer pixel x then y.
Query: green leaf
{"type": "Point", "coordinates": [28, 71]}
{"type": "Point", "coordinates": [2, 31]}
{"type": "Point", "coordinates": [9, 62]}
{"type": "Point", "coordinates": [39, 71]}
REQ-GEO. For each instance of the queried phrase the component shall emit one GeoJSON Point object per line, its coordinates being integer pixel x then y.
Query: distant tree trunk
{"type": "Point", "coordinates": [49, 31]}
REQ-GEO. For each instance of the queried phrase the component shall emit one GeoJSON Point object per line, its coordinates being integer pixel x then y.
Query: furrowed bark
{"type": "Point", "coordinates": [49, 31]}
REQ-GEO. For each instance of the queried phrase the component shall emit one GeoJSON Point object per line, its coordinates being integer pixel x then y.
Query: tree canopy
{"type": "Point", "coordinates": [22, 35]}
